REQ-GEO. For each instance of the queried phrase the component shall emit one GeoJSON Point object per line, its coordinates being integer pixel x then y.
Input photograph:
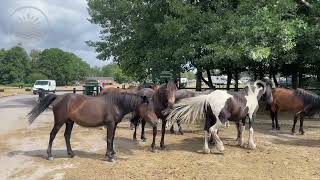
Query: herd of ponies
{"type": "Point", "coordinates": [149, 103]}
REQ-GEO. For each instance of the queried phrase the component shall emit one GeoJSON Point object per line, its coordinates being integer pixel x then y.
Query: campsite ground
{"type": "Point", "coordinates": [279, 155]}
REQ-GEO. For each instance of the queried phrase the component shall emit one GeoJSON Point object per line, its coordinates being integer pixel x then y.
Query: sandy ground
{"type": "Point", "coordinates": [279, 155]}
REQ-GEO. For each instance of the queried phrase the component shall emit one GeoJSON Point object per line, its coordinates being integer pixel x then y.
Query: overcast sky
{"type": "Point", "coordinates": [41, 24]}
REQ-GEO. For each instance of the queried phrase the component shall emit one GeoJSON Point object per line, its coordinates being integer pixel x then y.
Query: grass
{"type": "Point", "coordinates": [11, 91]}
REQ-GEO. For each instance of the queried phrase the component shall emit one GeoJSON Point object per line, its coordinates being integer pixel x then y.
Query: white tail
{"type": "Point", "coordinates": [188, 110]}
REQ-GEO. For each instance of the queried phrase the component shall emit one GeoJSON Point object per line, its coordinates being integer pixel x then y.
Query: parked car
{"type": "Point", "coordinates": [47, 85]}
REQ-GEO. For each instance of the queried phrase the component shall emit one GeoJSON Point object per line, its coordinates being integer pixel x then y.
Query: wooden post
{"type": "Point", "coordinates": [74, 90]}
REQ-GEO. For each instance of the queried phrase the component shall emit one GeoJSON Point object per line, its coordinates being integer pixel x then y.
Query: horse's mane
{"type": "Point", "coordinates": [126, 100]}
{"type": "Point", "coordinates": [308, 98]}
{"type": "Point", "coordinates": [146, 85]}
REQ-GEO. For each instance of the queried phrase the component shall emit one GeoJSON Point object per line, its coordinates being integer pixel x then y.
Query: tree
{"type": "Point", "coordinates": [62, 66]}
{"type": "Point", "coordinates": [15, 65]}
{"type": "Point", "coordinates": [147, 37]}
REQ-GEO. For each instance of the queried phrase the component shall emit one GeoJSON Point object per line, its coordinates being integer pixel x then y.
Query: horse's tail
{"type": "Point", "coordinates": [188, 110]}
{"type": "Point", "coordinates": [40, 107]}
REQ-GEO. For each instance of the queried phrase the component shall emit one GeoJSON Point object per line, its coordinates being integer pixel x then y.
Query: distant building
{"type": "Point", "coordinates": [103, 81]}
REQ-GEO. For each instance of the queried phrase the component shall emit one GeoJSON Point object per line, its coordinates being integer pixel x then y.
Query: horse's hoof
{"type": "Point", "coordinates": [278, 128]}
{"type": "Point", "coordinates": [220, 148]}
{"type": "Point", "coordinates": [50, 158]}
{"type": "Point", "coordinates": [153, 150]}
{"type": "Point", "coordinates": [163, 148]}
{"type": "Point", "coordinates": [240, 143]}
{"type": "Point", "coordinates": [252, 146]}
{"type": "Point", "coordinates": [181, 133]}
{"type": "Point", "coordinates": [70, 155]}
{"type": "Point", "coordinates": [301, 133]}
{"type": "Point", "coordinates": [172, 132]}
{"type": "Point", "coordinates": [134, 139]}
{"type": "Point", "coordinates": [206, 150]}
{"type": "Point", "coordinates": [143, 140]}
{"type": "Point", "coordinates": [111, 160]}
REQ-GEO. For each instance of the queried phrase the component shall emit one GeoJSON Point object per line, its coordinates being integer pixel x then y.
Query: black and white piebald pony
{"type": "Point", "coordinates": [220, 106]}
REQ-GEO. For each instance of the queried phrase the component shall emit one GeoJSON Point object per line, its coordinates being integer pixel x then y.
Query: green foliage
{"type": "Point", "coordinates": [61, 66]}
{"type": "Point", "coordinates": [148, 37]}
{"type": "Point", "coordinates": [15, 65]}
{"type": "Point", "coordinates": [36, 76]}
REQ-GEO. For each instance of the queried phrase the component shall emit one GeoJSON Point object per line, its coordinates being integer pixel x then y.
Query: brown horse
{"type": "Point", "coordinates": [107, 110]}
{"type": "Point", "coordinates": [131, 89]}
{"type": "Point", "coordinates": [163, 98]}
{"type": "Point", "coordinates": [301, 102]}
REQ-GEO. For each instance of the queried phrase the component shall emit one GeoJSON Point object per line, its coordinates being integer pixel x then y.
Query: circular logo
{"type": "Point", "coordinates": [28, 25]}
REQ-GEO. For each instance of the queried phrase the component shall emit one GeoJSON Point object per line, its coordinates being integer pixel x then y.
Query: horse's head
{"type": "Point", "coordinates": [171, 89]}
{"type": "Point", "coordinates": [266, 90]}
{"type": "Point", "coordinates": [147, 112]}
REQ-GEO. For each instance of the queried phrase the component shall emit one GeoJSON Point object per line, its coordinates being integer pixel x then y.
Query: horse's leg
{"type": "Point", "coordinates": [154, 133]}
{"type": "Point", "coordinates": [276, 119]}
{"type": "Point", "coordinates": [135, 132]}
{"type": "Point", "coordinates": [214, 132]}
{"type": "Point", "coordinates": [272, 115]}
{"type": "Point", "coordinates": [110, 129]}
{"type": "Point", "coordinates": [206, 149]}
{"type": "Point", "coordinates": [114, 132]}
{"type": "Point", "coordinates": [135, 122]}
{"type": "Point", "coordinates": [163, 131]}
{"type": "Point", "coordinates": [172, 130]}
{"type": "Point", "coordinates": [295, 119]}
{"type": "Point", "coordinates": [143, 124]}
{"type": "Point", "coordinates": [252, 145]}
{"type": "Point", "coordinates": [180, 128]}
{"type": "Point", "coordinates": [241, 130]}
{"type": "Point", "coordinates": [53, 133]}
{"type": "Point", "coordinates": [67, 136]}
{"type": "Point", "coordinates": [301, 125]}
{"type": "Point", "coordinates": [238, 130]}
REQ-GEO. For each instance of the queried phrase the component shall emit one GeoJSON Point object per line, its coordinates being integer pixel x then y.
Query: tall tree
{"type": "Point", "coordinates": [16, 66]}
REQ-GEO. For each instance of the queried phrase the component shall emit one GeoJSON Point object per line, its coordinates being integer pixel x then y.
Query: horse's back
{"type": "Point", "coordinates": [146, 92]}
{"type": "Point", "coordinates": [86, 111]}
{"type": "Point", "coordinates": [285, 100]}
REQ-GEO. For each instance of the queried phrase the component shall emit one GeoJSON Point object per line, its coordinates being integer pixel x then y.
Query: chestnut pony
{"type": "Point", "coordinates": [107, 110]}
{"type": "Point", "coordinates": [163, 98]}
{"type": "Point", "coordinates": [301, 102]}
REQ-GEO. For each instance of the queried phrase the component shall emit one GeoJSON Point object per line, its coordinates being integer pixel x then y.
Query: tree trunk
{"type": "Point", "coordinates": [229, 78]}
{"type": "Point", "coordinates": [261, 74]}
{"type": "Point", "coordinates": [295, 79]}
{"type": "Point", "coordinates": [198, 76]}
{"type": "Point", "coordinates": [318, 75]}
{"type": "Point", "coordinates": [209, 81]}
{"type": "Point", "coordinates": [300, 80]}
{"type": "Point", "coordinates": [275, 80]}
{"type": "Point", "coordinates": [236, 79]}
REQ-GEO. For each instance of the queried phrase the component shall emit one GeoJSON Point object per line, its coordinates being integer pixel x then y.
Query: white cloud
{"type": "Point", "coordinates": [68, 30]}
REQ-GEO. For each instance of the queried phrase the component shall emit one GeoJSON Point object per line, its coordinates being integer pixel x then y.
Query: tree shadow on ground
{"type": "Point", "coordinates": [123, 146]}
{"type": "Point", "coordinates": [298, 142]}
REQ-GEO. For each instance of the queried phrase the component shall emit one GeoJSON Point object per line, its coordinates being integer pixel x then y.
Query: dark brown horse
{"type": "Point", "coordinates": [162, 98]}
{"type": "Point", "coordinates": [301, 102]}
{"type": "Point", "coordinates": [107, 110]}
{"type": "Point", "coordinates": [131, 89]}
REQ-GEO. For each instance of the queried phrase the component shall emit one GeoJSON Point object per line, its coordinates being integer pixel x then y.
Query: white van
{"type": "Point", "coordinates": [47, 85]}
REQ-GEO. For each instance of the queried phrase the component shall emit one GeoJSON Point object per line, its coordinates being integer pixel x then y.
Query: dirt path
{"type": "Point", "coordinates": [278, 155]}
